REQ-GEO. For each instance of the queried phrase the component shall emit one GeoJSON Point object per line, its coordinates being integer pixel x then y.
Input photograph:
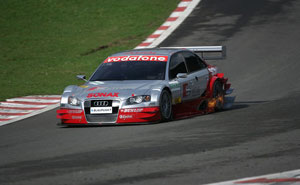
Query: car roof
{"type": "Point", "coordinates": [151, 51]}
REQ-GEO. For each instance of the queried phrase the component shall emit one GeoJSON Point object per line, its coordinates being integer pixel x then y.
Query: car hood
{"type": "Point", "coordinates": [116, 89]}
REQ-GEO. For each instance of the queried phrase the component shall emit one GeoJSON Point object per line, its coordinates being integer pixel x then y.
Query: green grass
{"type": "Point", "coordinates": [45, 43]}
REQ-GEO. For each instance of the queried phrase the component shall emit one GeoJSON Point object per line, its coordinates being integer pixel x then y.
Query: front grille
{"type": "Point", "coordinates": [101, 118]}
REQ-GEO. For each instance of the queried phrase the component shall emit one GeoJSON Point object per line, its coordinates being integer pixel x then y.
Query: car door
{"type": "Point", "coordinates": [197, 73]}
{"type": "Point", "coordinates": [180, 86]}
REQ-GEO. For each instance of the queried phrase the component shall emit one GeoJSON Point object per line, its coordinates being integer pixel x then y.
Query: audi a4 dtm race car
{"type": "Point", "coordinates": [145, 86]}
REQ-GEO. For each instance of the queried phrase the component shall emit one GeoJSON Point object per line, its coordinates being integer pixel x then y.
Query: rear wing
{"type": "Point", "coordinates": [205, 52]}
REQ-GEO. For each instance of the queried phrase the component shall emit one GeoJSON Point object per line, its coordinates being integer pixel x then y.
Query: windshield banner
{"type": "Point", "coordinates": [137, 58]}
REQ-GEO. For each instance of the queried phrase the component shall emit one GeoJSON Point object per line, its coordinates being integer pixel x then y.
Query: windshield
{"type": "Point", "coordinates": [130, 70]}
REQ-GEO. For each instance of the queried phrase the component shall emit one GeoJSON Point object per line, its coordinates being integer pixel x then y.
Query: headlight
{"type": "Point", "coordinates": [138, 99]}
{"type": "Point", "coordinates": [73, 101]}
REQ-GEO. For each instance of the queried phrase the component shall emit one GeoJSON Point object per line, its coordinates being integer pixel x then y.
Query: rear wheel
{"type": "Point", "coordinates": [165, 106]}
{"type": "Point", "coordinates": [218, 94]}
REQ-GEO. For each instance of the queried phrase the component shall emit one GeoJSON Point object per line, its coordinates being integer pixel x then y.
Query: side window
{"type": "Point", "coordinates": [193, 62]}
{"type": "Point", "coordinates": [177, 65]}
{"type": "Point", "coordinates": [202, 63]}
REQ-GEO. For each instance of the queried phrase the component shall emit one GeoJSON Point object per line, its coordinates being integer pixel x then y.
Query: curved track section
{"type": "Point", "coordinates": [260, 135]}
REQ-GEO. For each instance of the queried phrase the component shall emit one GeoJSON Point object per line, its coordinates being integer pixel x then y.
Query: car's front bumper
{"type": "Point", "coordinates": [124, 115]}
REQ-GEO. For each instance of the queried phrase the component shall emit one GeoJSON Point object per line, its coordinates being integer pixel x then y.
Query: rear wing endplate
{"type": "Point", "coordinates": [205, 52]}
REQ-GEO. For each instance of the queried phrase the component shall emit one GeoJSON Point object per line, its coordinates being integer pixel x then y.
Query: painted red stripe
{"type": "Point", "coordinates": [5, 119]}
{"type": "Point", "coordinates": [42, 98]}
{"type": "Point", "coordinates": [163, 28]}
{"type": "Point", "coordinates": [172, 18]}
{"type": "Point", "coordinates": [22, 108]}
{"type": "Point", "coordinates": [145, 44]}
{"type": "Point", "coordinates": [28, 103]}
{"type": "Point", "coordinates": [265, 180]}
{"type": "Point", "coordinates": [154, 36]}
{"type": "Point", "coordinates": [186, 0]}
{"type": "Point", "coordinates": [12, 114]}
{"type": "Point", "coordinates": [179, 9]}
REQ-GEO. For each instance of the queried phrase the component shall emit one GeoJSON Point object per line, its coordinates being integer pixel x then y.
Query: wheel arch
{"type": "Point", "coordinates": [219, 77]}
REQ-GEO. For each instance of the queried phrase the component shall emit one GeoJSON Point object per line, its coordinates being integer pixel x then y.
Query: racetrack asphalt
{"type": "Point", "coordinates": [260, 135]}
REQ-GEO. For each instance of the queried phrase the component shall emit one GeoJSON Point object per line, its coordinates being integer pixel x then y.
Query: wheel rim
{"type": "Point", "coordinates": [165, 106]}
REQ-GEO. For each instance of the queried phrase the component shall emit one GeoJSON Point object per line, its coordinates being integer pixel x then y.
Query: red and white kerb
{"type": "Point", "coordinates": [183, 9]}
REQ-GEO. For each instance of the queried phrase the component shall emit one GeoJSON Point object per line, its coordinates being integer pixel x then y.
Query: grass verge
{"type": "Point", "coordinates": [44, 44]}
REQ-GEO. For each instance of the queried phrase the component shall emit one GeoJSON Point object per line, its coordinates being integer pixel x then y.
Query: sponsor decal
{"type": "Point", "coordinates": [74, 111]}
{"type": "Point", "coordinates": [137, 58]}
{"type": "Point", "coordinates": [177, 100]}
{"type": "Point", "coordinates": [95, 95]}
{"type": "Point", "coordinates": [125, 116]}
{"type": "Point", "coordinates": [95, 88]}
{"type": "Point", "coordinates": [174, 85]}
{"type": "Point", "coordinates": [132, 110]}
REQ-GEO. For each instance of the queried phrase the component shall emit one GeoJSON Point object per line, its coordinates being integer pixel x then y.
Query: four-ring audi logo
{"type": "Point", "coordinates": [101, 103]}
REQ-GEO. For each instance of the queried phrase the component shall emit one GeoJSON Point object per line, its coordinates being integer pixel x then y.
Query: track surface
{"type": "Point", "coordinates": [260, 135]}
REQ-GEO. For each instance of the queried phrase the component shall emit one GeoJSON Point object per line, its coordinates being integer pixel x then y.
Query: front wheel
{"type": "Point", "coordinates": [165, 105]}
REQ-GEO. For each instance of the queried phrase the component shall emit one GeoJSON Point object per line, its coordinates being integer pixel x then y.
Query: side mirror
{"type": "Point", "coordinates": [81, 77]}
{"type": "Point", "coordinates": [181, 75]}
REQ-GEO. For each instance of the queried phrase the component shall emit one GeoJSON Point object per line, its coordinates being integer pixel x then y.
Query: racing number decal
{"type": "Point", "coordinates": [184, 94]}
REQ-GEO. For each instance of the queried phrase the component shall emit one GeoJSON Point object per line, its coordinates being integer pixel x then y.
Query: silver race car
{"type": "Point", "coordinates": [146, 86]}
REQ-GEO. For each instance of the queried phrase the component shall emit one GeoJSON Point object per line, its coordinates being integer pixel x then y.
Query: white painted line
{"type": "Point", "coordinates": [6, 117]}
{"type": "Point", "coordinates": [14, 111]}
{"type": "Point", "coordinates": [158, 32]}
{"type": "Point", "coordinates": [33, 100]}
{"type": "Point", "coordinates": [168, 23]}
{"type": "Point", "coordinates": [176, 14]}
{"type": "Point", "coordinates": [288, 178]}
{"type": "Point", "coordinates": [183, 4]}
{"type": "Point", "coordinates": [149, 40]}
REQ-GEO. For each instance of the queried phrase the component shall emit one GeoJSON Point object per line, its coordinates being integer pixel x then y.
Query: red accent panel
{"type": "Point", "coordinates": [188, 108]}
{"type": "Point", "coordinates": [227, 86]}
{"type": "Point", "coordinates": [172, 18]}
{"type": "Point", "coordinates": [135, 115]}
{"type": "Point", "coordinates": [220, 75]}
{"type": "Point", "coordinates": [71, 116]}
{"type": "Point", "coordinates": [186, 0]}
{"type": "Point", "coordinates": [163, 28]}
{"type": "Point", "coordinates": [184, 93]}
{"type": "Point", "coordinates": [180, 9]}
{"type": "Point", "coordinates": [154, 36]}
{"type": "Point", "coordinates": [211, 86]}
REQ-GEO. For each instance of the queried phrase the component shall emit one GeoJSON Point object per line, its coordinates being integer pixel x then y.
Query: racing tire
{"type": "Point", "coordinates": [165, 105]}
{"type": "Point", "coordinates": [218, 93]}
